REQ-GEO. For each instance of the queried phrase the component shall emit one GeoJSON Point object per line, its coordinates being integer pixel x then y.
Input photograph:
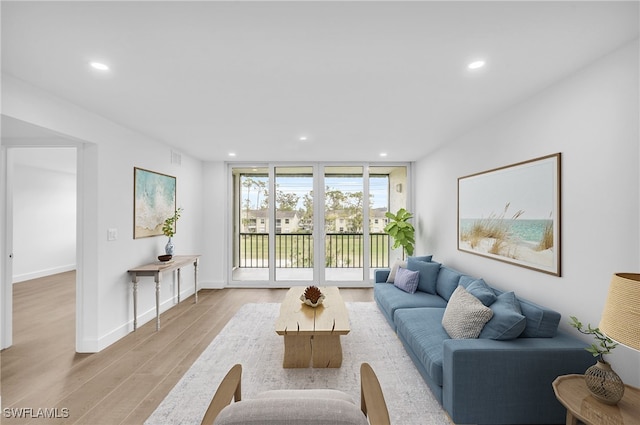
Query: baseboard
{"type": "Point", "coordinates": [143, 317]}
{"type": "Point", "coordinates": [211, 285]}
{"type": "Point", "coordinates": [42, 273]}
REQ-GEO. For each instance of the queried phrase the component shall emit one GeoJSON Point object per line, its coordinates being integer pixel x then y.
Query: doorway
{"type": "Point", "coordinates": [39, 208]}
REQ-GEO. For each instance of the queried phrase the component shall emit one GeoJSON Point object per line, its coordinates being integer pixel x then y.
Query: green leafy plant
{"type": "Point", "coordinates": [169, 226]}
{"type": "Point", "coordinates": [604, 344]}
{"type": "Point", "coordinates": [402, 232]}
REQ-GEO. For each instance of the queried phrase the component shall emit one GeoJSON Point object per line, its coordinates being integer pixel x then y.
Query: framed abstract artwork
{"type": "Point", "coordinates": [512, 214]}
{"type": "Point", "coordinates": [154, 201]}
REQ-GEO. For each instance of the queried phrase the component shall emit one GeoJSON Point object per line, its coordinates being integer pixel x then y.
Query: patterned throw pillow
{"type": "Point", "coordinates": [407, 280]}
{"type": "Point", "coordinates": [465, 315]}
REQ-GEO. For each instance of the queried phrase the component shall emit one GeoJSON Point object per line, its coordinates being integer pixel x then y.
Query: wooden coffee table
{"type": "Point", "coordinates": [312, 335]}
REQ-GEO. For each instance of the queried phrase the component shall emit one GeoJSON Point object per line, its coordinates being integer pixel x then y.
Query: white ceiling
{"type": "Point", "coordinates": [356, 78]}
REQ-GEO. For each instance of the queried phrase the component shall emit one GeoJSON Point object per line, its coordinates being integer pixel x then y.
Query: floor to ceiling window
{"type": "Point", "coordinates": [312, 223]}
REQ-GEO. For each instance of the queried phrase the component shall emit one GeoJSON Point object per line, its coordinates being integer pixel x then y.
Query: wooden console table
{"type": "Point", "coordinates": [155, 270]}
{"type": "Point", "coordinates": [572, 392]}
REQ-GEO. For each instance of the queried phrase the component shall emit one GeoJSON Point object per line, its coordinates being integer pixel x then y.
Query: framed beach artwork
{"type": "Point", "coordinates": [512, 214]}
{"type": "Point", "coordinates": [154, 200]}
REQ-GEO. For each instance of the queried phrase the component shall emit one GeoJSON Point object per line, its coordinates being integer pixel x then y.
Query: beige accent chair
{"type": "Point", "coordinates": [289, 407]}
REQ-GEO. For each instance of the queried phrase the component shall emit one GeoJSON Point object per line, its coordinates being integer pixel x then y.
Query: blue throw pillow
{"type": "Point", "coordinates": [466, 280]}
{"type": "Point", "coordinates": [428, 274]}
{"type": "Point", "coordinates": [406, 280]}
{"type": "Point", "coordinates": [507, 321]}
{"type": "Point", "coordinates": [426, 258]}
{"type": "Point", "coordinates": [479, 289]}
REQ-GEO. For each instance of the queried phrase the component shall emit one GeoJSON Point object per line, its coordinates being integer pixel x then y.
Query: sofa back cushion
{"type": "Point", "coordinates": [428, 274]}
{"type": "Point", "coordinates": [447, 282]}
{"type": "Point", "coordinates": [542, 322]}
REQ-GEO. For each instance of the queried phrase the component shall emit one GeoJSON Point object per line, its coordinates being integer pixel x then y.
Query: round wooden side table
{"type": "Point", "coordinates": [572, 392]}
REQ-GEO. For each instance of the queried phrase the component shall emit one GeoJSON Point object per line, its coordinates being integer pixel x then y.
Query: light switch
{"type": "Point", "coordinates": [112, 234]}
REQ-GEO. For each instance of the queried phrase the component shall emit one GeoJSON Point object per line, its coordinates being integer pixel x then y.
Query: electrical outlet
{"type": "Point", "coordinates": [112, 234]}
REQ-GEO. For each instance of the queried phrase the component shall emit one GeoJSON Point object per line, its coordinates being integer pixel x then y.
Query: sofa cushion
{"type": "Point", "coordinates": [447, 282]}
{"type": "Point", "coordinates": [390, 298]}
{"type": "Point", "coordinates": [421, 330]}
{"type": "Point", "coordinates": [428, 274]}
{"type": "Point", "coordinates": [479, 289]}
{"type": "Point", "coordinates": [465, 315]}
{"type": "Point", "coordinates": [406, 280]}
{"type": "Point", "coordinates": [507, 321]}
{"type": "Point", "coordinates": [394, 270]}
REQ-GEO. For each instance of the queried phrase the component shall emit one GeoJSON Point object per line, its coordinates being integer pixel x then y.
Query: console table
{"type": "Point", "coordinates": [155, 270]}
{"type": "Point", "coordinates": [572, 392]}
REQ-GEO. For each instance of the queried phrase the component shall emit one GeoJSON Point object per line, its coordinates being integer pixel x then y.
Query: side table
{"type": "Point", "coordinates": [573, 393]}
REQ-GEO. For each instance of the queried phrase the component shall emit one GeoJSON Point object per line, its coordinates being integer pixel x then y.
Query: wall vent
{"type": "Point", "coordinates": [176, 158]}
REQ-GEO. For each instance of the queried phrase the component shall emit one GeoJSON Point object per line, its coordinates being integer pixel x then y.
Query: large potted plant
{"type": "Point", "coordinates": [402, 232]}
{"type": "Point", "coordinates": [601, 380]}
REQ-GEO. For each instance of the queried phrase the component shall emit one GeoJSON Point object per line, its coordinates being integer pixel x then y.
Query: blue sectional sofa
{"type": "Point", "coordinates": [504, 375]}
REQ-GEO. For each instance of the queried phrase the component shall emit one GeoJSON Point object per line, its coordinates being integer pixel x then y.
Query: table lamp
{"type": "Point", "coordinates": [621, 316]}
{"type": "Point", "coordinates": [621, 323]}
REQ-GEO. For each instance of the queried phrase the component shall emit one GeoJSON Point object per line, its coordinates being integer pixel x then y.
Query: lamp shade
{"type": "Point", "coordinates": [621, 316]}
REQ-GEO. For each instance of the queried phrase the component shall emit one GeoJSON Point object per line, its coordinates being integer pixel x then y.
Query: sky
{"type": "Point", "coordinates": [531, 187]}
{"type": "Point", "coordinates": [378, 187]}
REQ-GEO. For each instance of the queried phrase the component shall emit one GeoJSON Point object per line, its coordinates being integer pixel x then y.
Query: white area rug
{"type": "Point", "coordinates": [250, 339]}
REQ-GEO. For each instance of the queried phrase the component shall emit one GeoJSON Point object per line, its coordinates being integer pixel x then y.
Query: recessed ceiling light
{"type": "Point", "coordinates": [99, 66]}
{"type": "Point", "coordinates": [383, 154]}
{"type": "Point", "coordinates": [476, 64]}
{"type": "Point", "coordinates": [232, 154]}
{"type": "Point", "coordinates": [303, 138]}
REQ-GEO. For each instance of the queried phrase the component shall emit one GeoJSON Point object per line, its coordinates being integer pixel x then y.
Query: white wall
{"type": "Point", "coordinates": [107, 155]}
{"type": "Point", "coordinates": [44, 219]}
{"type": "Point", "coordinates": [216, 221]}
{"type": "Point", "coordinates": [591, 118]}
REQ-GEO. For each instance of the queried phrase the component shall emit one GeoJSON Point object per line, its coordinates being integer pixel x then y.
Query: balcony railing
{"type": "Point", "coordinates": [294, 250]}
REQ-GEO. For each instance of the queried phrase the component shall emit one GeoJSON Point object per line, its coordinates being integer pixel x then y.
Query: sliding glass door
{"type": "Point", "coordinates": [312, 223]}
{"type": "Point", "coordinates": [294, 224]}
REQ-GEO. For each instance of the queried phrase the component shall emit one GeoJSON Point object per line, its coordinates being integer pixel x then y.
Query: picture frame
{"type": "Point", "coordinates": [513, 214]}
{"type": "Point", "coordinates": [154, 200]}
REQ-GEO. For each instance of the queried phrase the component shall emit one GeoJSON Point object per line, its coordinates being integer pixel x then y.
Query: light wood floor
{"type": "Point", "coordinates": [124, 383]}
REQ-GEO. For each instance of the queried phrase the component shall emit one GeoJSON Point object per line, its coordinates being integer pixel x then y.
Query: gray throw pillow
{"type": "Point", "coordinates": [465, 315]}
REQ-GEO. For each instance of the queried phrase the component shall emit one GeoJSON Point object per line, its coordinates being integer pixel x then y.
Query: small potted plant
{"type": "Point", "coordinates": [603, 383]}
{"type": "Point", "coordinates": [169, 229]}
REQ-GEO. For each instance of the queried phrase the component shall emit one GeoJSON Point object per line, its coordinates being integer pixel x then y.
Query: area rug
{"type": "Point", "coordinates": [250, 339]}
